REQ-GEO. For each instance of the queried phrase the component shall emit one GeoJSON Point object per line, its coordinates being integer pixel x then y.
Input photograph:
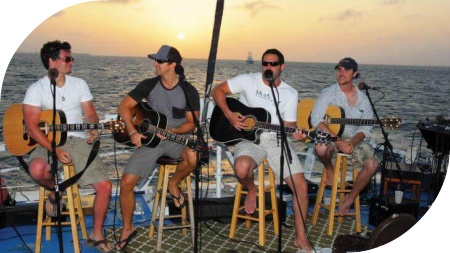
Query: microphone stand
{"type": "Point", "coordinates": [387, 146]}
{"type": "Point", "coordinates": [55, 164]}
{"type": "Point", "coordinates": [284, 148]}
{"type": "Point", "coordinates": [200, 149]}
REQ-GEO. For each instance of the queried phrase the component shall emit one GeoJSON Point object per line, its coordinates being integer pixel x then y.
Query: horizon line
{"type": "Point", "coordinates": [378, 64]}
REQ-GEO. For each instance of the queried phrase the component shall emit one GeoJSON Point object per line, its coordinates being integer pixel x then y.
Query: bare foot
{"type": "Point", "coordinates": [99, 242]}
{"type": "Point", "coordinates": [250, 202]}
{"type": "Point", "coordinates": [304, 246]}
{"type": "Point", "coordinates": [345, 207]}
{"type": "Point", "coordinates": [125, 238]}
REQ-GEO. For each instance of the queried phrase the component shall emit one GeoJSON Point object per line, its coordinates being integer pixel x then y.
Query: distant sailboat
{"type": "Point", "coordinates": [249, 58]}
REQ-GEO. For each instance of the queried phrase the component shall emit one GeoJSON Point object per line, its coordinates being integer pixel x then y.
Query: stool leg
{"type": "Point", "coordinates": [73, 224]}
{"type": "Point", "coordinates": [357, 206]}
{"type": "Point", "coordinates": [162, 209]}
{"type": "Point", "coordinates": [183, 210]}
{"type": "Point", "coordinates": [261, 203]}
{"type": "Point", "coordinates": [342, 184]}
{"type": "Point", "coordinates": [333, 195]}
{"type": "Point", "coordinates": [156, 201]}
{"type": "Point", "coordinates": [40, 218]}
{"type": "Point", "coordinates": [276, 224]}
{"type": "Point", "coordinates": [78, 206]}
{"type": "Point", "coordinates": [319, 197]}
{"type": "Point", "coordinates": [191, 208]}
{"type": "Point", "coordinates": [236, 205]}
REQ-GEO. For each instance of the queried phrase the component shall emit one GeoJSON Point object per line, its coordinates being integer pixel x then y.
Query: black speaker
{"type": "Point", "coordinates": [380, 210]}
{"type": "Point", "coordinates": [18, 215]}
{"type": "Point", "coordinates": [221, 209]}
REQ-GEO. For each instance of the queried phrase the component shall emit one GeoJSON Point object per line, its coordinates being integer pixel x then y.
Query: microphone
{"type": "Point", "coordinates": [364, 86]}
{"type": "Point", "coordinates": [53, 73]}
{"type": "Point", "coordinates": [268, 74]}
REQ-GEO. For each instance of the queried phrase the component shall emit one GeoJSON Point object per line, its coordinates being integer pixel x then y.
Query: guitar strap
{"type": "Point", "coordinates": [70, 181]}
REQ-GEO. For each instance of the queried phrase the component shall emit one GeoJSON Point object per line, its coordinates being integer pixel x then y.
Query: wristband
{"type": "Point", "coordinates": [132, 133]}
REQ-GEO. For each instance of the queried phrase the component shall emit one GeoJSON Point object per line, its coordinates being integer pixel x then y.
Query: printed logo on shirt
{"type": "Point", "coordinates": [265, 96]}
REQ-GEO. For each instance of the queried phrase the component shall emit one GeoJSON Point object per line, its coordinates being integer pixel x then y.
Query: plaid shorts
{"type": "Point", "coordinates": [361, 153]}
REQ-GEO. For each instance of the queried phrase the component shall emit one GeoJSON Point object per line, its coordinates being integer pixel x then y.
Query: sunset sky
{"type": "Point", "coordinates": [392, 32]}
{"type": "Point", "coordinates": [405, 32]}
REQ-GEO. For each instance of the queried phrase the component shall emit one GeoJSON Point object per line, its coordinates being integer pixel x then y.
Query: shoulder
{"type": "Point", "coordinates": [153, 80]}
{"type": "Point", "coordinates": [287, 87]}
{"type": "Point", "coordinates": [76, 82]}
{"type": "Point", "coordinates": [75, 79]}
{"type": "Point", "coordinates": [331, 89]}
{"type": "Point", "coordinates": [247, 77]}
{"type": "Point", "coordinates": [40, 84]}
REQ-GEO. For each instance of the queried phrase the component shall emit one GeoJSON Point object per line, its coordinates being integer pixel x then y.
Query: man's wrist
{"type": "Point", "coordinates": [132, 133]}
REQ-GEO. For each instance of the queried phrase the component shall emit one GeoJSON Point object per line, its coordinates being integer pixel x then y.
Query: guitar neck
{"type": "Point", "coordinates": [357, 122]}
{"type": "Point", "coordinates": [74, 127]}
{"type": "Point", "coordinates": [277, 128]}
{"type": "Point", "coordinates": [171, 136]}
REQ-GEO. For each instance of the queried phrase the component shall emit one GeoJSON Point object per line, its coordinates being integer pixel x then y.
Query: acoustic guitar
{"type": "Point", "coordinates": [19, 143]}
{"type": "Point", "coordinates": [335, 118]}
{"type": "Point", "coordinates": [150, 123]}
{"type": "Point", "coordinates": [257, 120]}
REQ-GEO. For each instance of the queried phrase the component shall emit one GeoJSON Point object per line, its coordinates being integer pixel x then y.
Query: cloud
{"type": "Point", "coordinates": [257, 6]}
{"type": "Point", "coordinates": [343, 16]}
{"type": "Point", "coordinates": [392, 2]}
{"type": "Point", "coordinates": [413, 16]}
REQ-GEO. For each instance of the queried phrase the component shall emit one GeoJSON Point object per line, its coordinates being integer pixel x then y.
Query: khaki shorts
{"type": "Point", "coordinates": [361, 153]}
{"type": "Point", "coordinates": [79, 150]}
{"type": "Point", "coordinates": [268, 148]}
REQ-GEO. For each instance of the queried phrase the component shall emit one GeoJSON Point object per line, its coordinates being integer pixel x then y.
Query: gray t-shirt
{"type": "Point", "coordinates": [171, 103]}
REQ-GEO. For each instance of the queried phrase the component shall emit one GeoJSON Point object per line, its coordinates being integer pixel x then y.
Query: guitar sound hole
{"type": "Point", "coordinates": [250, 123]}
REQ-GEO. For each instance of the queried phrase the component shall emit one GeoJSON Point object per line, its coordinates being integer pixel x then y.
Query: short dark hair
{"type": "Point", "coordinates": [52, 49]}
{"type": "Point", "coordinates": [274, 51]}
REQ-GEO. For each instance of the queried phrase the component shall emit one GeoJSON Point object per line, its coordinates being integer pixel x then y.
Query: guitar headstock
{"type": "Point", "coordinates": [393, 122]}
{"type": "Point", "coordinates": [115, 126]}
{"type": "Point", "coordinates": [322, 137]}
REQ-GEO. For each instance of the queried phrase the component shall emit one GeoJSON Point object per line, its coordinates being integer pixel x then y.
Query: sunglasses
{"type": "Point", "coordinates": [272, 63]}
{"type": "Point", "coordinates": [68, 59]}
{"type": "Point", "coordinates": [161, 61]}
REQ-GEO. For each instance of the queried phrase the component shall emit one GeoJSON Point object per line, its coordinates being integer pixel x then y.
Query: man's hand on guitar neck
{"type": "Point", "coordinates": [299, 134]}
{"type": "Point", "coordinates": [92, 136]}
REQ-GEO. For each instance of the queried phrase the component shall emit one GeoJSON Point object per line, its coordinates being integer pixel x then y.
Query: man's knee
{"type": "Point", "coordinates": [371, 165]}
{"type": "Point", "coordinates": [39, 169]}
{"type": "Point", "coordinates": [128, 182]}
{"type": "Point", "coordinates": [243, 167]}
{"type": "Point", "coordinates": [323, 150]}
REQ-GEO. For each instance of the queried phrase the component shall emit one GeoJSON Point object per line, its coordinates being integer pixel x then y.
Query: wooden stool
{"type": "Point", "coordinates": [261, 208]}
{"type": "Point", "coordinates": [74, 211]}
{"type": "Point", "coordinates": [339, 185]}
{"type": "Point", "coordinates": [416, 184]}
{"type": "Point", "coordinates": [168, 166]}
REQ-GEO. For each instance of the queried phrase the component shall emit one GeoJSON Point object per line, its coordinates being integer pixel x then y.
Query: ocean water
{"type": "Point", "coordinates": [411, 92]}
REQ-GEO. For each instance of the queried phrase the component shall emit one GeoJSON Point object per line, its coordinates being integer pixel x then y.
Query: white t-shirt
{"type": "Point", "coordinates": [254, 93]}
{"type": "Point", "coordinates": [75, 91]}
